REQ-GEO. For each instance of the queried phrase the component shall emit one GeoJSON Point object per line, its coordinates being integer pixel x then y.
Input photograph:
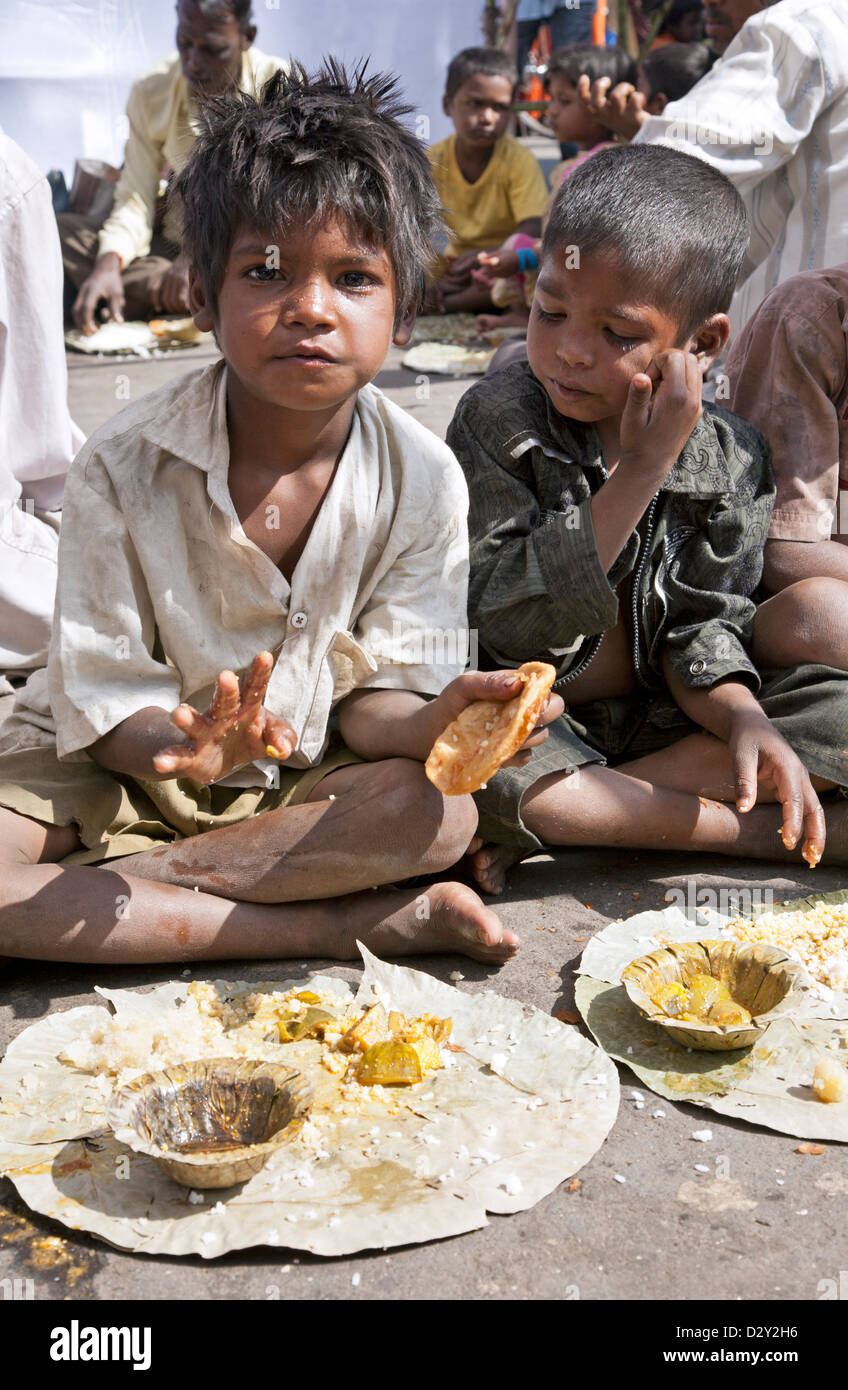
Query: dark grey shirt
{"type": "Point", "coordinates": [537, 584]}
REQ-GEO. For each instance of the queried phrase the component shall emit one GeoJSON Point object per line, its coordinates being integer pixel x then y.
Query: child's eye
{"type": "Point", "coordinates": [547, 317]}
{"type": "Point", "coordinates": [621, 341]}
{"type": "Point", "coordinates": [264, 274]}
{"type": "Point", "coordinates": [356, 280]}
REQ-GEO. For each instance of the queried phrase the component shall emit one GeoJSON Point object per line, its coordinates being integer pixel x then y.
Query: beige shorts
{"type": "Point", "coordinates": [118, 815]}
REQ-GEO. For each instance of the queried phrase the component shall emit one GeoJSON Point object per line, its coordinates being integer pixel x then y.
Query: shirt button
{"type": "Point", "coordinates": [698, 667]}
{"type": "Point", "coordinates": [298, 620]}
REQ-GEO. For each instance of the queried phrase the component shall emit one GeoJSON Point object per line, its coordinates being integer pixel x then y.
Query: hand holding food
{"type": "Point", "coordinates": [488, 733]}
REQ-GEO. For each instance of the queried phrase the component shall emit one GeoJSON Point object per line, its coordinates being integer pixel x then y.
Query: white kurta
{"type": "Point", "coordinates": [38, 436]}
{"type": "Point", "coordinates": [773, 116]}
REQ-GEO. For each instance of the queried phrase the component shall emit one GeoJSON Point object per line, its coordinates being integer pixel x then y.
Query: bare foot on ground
{"type": "Point", "coordinates": [445, 917]}
{"type": "Point", "coordinates": [489, 864]}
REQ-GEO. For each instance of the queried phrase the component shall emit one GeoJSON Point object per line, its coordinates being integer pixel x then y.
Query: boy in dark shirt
{"type": "Point", "coordinates": [617, 531]}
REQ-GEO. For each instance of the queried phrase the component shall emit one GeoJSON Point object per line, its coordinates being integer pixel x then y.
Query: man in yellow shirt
{"type": "Point", "coordinates": [489, 184]}
{"type": "Point", "coordinates": [130, 262]}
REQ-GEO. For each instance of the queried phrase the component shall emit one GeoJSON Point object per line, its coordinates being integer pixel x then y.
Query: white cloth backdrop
{"type": "Point", "coordinates": [66, 66]}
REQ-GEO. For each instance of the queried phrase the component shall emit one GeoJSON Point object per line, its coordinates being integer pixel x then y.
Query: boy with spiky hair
{"type": "Point", "coordinates": [617, 530]}
{"type": "Point", "coordinates": [275, 515]}
{"type": "Point", "coordinates": [491, 187]}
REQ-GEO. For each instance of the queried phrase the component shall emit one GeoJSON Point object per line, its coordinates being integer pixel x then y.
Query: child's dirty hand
{"type": "Point", "coordinates": [761, 755]}
{"type": "Point", "coordinates": [621, 110]}
{"type": "Point", "coordinates": [236, 730]}
{"type": "Point", "coordinates": [662, 408]}
{"type": "Point", "coordinates": [459, 271]}
{"type": "Point", "coordinates": [496, 265]}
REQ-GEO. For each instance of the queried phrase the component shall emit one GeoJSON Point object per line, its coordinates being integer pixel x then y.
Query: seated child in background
{"type": "Point", "coordinates": [670, 73]}
{"type": "Point", "coordinates": [490, 184]}
{"type": "Point", "coordinates": [616, 530]}
{"type": "Point", "coordinates": [682, 24]}
{"type": "Point", "coordinates": [504, 268]}
{"type": "Point", "coordinates": [788, 374]}
{"type": "Point", "coordinates": [272, 514]}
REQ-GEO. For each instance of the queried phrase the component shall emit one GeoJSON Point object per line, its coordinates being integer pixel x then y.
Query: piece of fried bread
{"type": "Point", "coordinates": [488, 733]}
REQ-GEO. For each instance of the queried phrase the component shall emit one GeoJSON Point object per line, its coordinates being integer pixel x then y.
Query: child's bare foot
{"type": "Point", "coordinates": [489, 864]}
{"type": "Point", "coordinates": [444, 917]}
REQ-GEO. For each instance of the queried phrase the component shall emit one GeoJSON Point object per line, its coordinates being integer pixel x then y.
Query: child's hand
{"type": "Point", "coordinates": [621, 110]}
{"type": "Point", "coordinates": [236, 730]}
{"type": "Point", "coordinates": [490, 685]}
{"type": "Point", "coordinates": [496, 265]}
{"type": "Point", "coordinates": [459, 271]}
{"type": "Point", "coordinates": [654, 427]}
{"type": "Point", "coordinates": [760, 753]}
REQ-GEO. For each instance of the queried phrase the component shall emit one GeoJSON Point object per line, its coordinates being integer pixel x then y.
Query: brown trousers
{"type": "Point", "coordinates": [78, 237]}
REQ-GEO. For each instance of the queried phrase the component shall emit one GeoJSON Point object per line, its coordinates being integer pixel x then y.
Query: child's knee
{"type": "Point", "coordinates": [440, 827]}
{"type": "Point", "coordinates": [813, 610]}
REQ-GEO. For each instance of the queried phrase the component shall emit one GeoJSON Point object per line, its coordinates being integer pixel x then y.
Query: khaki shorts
{"type": "Point", "coordinates": [118, 815]}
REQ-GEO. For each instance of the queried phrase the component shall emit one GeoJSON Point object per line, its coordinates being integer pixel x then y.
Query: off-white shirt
{"type": "Point", "coordinates": [163, 122]}
{"type": "Point", "coordinates": [160, 589]}
{"type": "Point", "coordinates": [773, 116]}
{"type": "Point", "coordinates": [39, 438]}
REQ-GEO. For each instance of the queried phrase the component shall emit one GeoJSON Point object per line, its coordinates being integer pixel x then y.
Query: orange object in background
{"type": "Point", "coordinates": [599, 23]}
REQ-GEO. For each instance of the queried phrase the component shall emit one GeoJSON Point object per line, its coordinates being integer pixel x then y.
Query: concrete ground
{"type": "Point", "coordinates": [763, 1223]}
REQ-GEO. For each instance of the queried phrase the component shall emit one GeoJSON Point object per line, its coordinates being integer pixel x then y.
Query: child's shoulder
{"type": "Point", "coordinates": [180, 412]}
{"type": "Point", "coordinates": [498, 407]}
{"type": "Point", "coordinates": [741, 443]}
{"type": "Point", "coordinates": [417, 457]}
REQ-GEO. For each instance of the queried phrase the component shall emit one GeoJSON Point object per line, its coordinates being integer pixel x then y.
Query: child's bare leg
{"type": "Point", "coordinates": [806, 622]}
{"type": "Point", "coordinates": [472, 299]}
{"type": "Point", "coordinates": [702, 764]}
{"type": "Point", "coordinates": [605, 806]}
{"type": "Point", "coordinates": [107, 916]}
{"type": "Point", "coordinates": [387, 823]}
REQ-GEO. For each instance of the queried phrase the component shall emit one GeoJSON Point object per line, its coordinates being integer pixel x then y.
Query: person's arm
{"type": "Point", "coordinates": [401, 724]}
{"type": "Point", "coordinates": [731, 712]}
{"type": "Point", "coordinates": [128, 229]}
{"type": "Point", "coordinates": [528, 192]}
{"type": "Point", "coordinates": [103, 665]}
{"type": "Point", "coordinates": [712, 561]}
{"type": "Point", "coordinates": [749, 114]}
{"type": "Point", "coordinates": [235, 731]}
{"type": "Point", "coordinates": [788, 375]}
{"type": "Point", "coordinates": [536, 583]}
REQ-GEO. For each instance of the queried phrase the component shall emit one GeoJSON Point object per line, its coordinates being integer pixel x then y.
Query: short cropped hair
{"type": "Point", "coordinates": [572, 61]}
{"type": "Point", "coordinates": [240, 10]}
{"type": "Point", "coordinates": [676, 67]}
{"type": "Point", "coordinates": [676, 227]}
{"type": "Point", "coordinates": [310, 149]}
{"type": "Point", "coordinates": [489, 62]}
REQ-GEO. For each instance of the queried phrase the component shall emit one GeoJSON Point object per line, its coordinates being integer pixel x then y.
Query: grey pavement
{"type": "Point", "coordinates": [772, 1228]}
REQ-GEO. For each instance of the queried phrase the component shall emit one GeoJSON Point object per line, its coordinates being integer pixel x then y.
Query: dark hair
{"type": "Point", "coordinates": [676, 67]}
{"type": "Point", "coordinates": [310, 148]}
{"type": "Point", "coordinates": [490, 62]}
{"type": "Point", "coordinates": [572, 61]}
{"type": "Point", "coordinates": [675, 14]}
{"type": "Point", "coordinates": [240, 10]}
{"type": "Point", "coordinates": [676, 227]}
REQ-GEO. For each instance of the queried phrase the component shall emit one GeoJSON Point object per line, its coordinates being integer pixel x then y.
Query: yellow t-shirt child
{"type": "Point", "coordinates": [483, 214]}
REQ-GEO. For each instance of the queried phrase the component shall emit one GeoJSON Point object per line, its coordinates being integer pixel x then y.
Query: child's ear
{"type": "Point", "coordinates": [197, 303]}
{"type": "Point", "coordinates": [403, 332]}
{"type": "Point", "coordinates": [657, 104]}
{"type": "Point", "coordinates": [710, 340]}
{"type": "Point", "coordinates": [446, 105]}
